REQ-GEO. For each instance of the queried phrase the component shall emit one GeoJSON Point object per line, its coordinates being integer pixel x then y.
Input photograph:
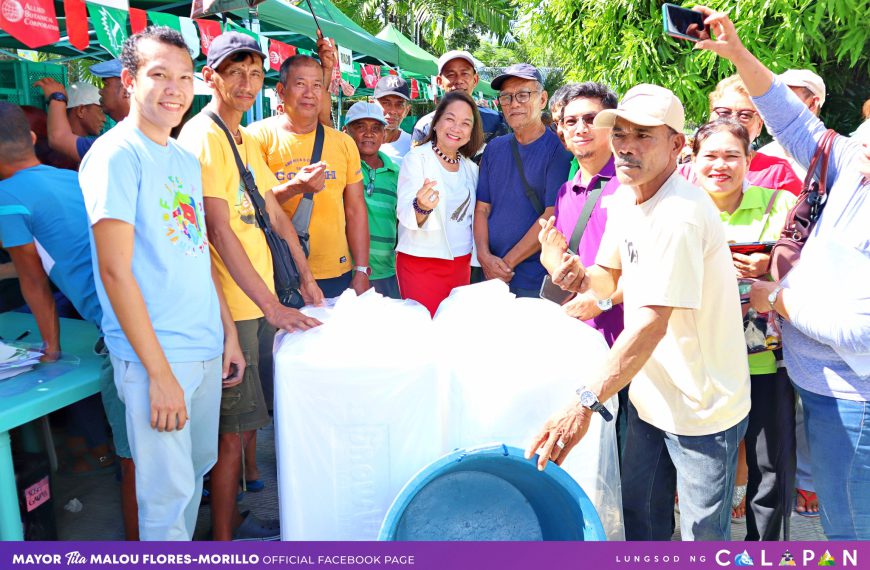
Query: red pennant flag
{"type": "Point", "coordinates": [77, 23]}
{"type": "Point", "coordinates": [31, 22]}
{"type": "Point", "coordinates": [208, 31]}
{"type": "Point", "coordinates": [370, 75]}
{"type": "Point", "coordinates": [138, 20]}
{"type": "Point", "coordinates": [278, 52]}
{"type": "Point", "coordinates": [415, 89]}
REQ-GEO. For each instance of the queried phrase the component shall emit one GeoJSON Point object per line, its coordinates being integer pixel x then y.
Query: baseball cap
{"type": "Point", "coordinates": [520, 70]}
{"type": "Point", "coordinates": [106, 69]}
{"type": "Point", "coordinates": [392, 85]}
{"type": "Point", "coordinates": [646, 105]}
{"type": "Point", "coordinates": [364, 110]}
{"type": "Point", "coordinates": [229, 43]}
{"type": "Point", "coordinates": [81, 93]}
{"type": "Point", "coordinates": [455, 54]}
{"type": "Point", "coordinates": [807, 79]}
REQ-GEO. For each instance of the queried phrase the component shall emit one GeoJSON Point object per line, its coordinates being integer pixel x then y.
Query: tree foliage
{"type": "Point", "coordinates": [436, 25]}
{"type": "Point", "coordinates": [620, 42]}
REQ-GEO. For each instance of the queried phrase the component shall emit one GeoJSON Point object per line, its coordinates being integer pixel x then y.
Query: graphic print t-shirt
{"type": "Point", "coordinates": [158, 190]}
{"type": "Point", "coordinates": [286, 153]}
{"type": "Point", "coordinates": [220, 179]}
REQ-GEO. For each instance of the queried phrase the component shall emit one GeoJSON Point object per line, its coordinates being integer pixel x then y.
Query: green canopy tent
{"type": "Point", "coordinates": [429, 63]}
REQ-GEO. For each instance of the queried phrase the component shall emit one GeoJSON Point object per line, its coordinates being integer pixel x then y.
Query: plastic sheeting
{"type": "Point", "coordinates": [380, 391]}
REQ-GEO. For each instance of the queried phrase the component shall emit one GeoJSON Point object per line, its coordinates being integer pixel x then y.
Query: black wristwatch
{"type": "Point", "coordinates": [588, 399]}
{"type": "Point", "coordinates": [58, 96]}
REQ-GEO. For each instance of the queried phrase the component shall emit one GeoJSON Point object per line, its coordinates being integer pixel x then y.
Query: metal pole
{"type": "Point", "coordinates": [255, 113]}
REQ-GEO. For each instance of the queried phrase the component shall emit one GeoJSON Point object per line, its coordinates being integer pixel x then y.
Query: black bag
{"type": "Point", "coordinates": [302, 216]}
{"type": "Point", "coordinates": [286, 273]}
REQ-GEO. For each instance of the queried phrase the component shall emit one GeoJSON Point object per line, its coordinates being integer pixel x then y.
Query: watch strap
{"type": "Point", "coordinates": [601, 409]}
{"type": "Point", "coordinates": [58, 96]}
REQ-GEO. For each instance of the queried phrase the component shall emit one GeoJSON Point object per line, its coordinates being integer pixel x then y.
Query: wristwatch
{"type": "Point", "coordinates": [771, 299]}
{"type": "Point", "coordinates": [588, 399]}
{"type": "Point", "coordinates": [58, 96]}
{"type": "Point", "coordinates": [605, 304]}
{"type": "Point", "coordinates": [363, 269]}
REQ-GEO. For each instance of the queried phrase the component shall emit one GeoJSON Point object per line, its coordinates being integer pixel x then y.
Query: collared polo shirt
{"type": "Point", "coordinates": [381, 199]}
{"type": "Point", "coordinates": [569, 205]}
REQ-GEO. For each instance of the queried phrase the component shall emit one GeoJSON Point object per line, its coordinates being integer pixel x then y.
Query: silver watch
{"type": "Point", "coordinates": [588, 399]}
{"type": "Point", "coordinates": [605, 304]}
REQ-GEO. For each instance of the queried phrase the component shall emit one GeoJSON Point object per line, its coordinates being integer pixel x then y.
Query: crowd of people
{"type": "Point", "coordinates": [162, 240]}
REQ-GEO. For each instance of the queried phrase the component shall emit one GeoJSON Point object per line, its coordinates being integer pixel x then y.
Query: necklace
{"type": "Point", "coordinates": [443, 156]}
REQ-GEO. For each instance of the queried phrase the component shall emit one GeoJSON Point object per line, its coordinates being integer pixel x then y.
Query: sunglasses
{"type": "Point", "coordinates": [742, 115]}
{"type": "Point", "coordinates": [572, 123]}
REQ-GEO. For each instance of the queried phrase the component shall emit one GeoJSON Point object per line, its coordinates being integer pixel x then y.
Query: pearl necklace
{"type": "Point", "coordinates": [443, 156]}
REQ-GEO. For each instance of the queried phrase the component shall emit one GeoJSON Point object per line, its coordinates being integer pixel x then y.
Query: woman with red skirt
{"type": "Point", "coordinates": [436, 191]}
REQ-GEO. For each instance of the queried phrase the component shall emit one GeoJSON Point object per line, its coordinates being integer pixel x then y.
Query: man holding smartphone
{"type": "Point", "coordinates": [689, 398]}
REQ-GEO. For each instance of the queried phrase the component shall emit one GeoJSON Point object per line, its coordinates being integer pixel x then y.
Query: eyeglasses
{"type": "Point", "coordinates": [573, 123]}
{"type": "Point", "coordinates": [520, 96]}
{"type": "Point", "coordinates": [742, 115]}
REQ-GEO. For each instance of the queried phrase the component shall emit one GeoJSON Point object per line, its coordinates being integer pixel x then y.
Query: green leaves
{"type": "Point", "coordinates": [621, 42]}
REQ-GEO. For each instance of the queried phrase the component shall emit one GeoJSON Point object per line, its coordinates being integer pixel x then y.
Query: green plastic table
{"type": "Point", "coordinates": [43, 390]}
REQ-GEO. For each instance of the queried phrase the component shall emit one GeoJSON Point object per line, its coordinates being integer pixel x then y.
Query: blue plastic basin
{"type": "Point", "coordinates": [491, 493]}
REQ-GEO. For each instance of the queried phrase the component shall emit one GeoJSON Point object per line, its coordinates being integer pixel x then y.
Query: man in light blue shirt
{"type": "Point", "coordinates": [161, 312]}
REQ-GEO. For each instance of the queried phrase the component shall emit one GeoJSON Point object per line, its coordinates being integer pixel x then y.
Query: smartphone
{"type": "Point", "coordinates": [554, 293]}
{"type": "Point", "coordinates": [683, 23]}
{"type": "Point", "coordinates": [751, 247]}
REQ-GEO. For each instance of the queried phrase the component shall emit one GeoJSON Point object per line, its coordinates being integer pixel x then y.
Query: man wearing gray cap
{"type": "Point", "coordinates": [393, 96]}
{"type": "Point", "coordinates": [520, 175]}
{"type": "Point", "coordinates": [242, 260]}
{"type": "Point", "coordinates": [366, 125]}
{"type": "Point", "coordinates": [75, 117]}
{"type": "Point", "coordinates": [810, 89]}
{"type": "Point", "coordinates": [456, 70]}
{"type": "Point", "coordinates": [689, 398]}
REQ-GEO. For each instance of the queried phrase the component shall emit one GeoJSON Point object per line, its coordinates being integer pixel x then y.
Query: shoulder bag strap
{"type": "Point", "coordinates": [767, 213]}
{"type": "Point", "coordinates": [530, 194]}
{"type": "Point", "coordinates": [592, 197]}
{"type": "Point", "coordinates": [302, 216]}
{"type": "Point", "coordinates": [823, 154]}
{"type": "Point", "coordinates": [247, 178]}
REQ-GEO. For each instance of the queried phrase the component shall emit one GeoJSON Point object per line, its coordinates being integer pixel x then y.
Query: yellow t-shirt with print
{"type": "Point", "coordinates": [220, 179]}
{"type": "Point", "coordinates": [286, 153]}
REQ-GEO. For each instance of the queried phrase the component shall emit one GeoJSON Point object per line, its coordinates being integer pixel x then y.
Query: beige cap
{"type": "Point", "coordinates": [81, 93]}
{"type": "Point", "coordinates": [805, 78]}
{"type": "Point", "coordinates": [646, 105]}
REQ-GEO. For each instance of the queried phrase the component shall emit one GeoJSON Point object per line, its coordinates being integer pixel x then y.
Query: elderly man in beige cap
{"type": "Point", "coordinates": [810, 89]}
{"type": "Point", "coordinates": [689, 396]}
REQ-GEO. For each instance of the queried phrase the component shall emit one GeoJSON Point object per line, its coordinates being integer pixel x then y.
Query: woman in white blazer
{"type": "Point", "coordinates": [436, 191]}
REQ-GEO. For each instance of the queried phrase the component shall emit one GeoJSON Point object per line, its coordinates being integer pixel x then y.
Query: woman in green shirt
{"type": "Point", "coordinates": [765, 472]}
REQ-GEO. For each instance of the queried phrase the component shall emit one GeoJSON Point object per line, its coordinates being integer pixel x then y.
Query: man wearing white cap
{"type": "Point", "coordinates": [75, 117]}
{"type": "Point", "coordinates": [810, 89]}
{"type": "Point", "coordinates": [457, 70]}
{"type": "Point", "coordinates": [689, 398]}
{"type": "Point", "coordinates": [367, 126]}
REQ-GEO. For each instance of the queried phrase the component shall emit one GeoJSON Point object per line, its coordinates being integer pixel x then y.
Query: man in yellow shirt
{"type": "Point", "coordinates": [243, 263]}
{"type": "Point", "coordinates": [339, 257]}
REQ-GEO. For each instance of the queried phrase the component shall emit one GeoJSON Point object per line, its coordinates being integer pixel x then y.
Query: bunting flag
{"type": "Point", "coordinates": [164, 19]}
{"type": "Point", "coordinates": [278, 52]}
{"type": "Point", "coordinates": [138, 20]}
{"type": "Point", "coordinates": [191, 37]}
{"type": "Point", "coordinates": [353, 77]}
{"type": "Point", "coordinates": [111, 27]}
{"type": "Point", "coordinates": [234, 27]}
{"type": "Point", "coordinates": [31, 22]}
{"type": "Point", "coordinates": [415, 89]}
{"type": "Point", "coordinates": [208, 31]}
{"type": "Point", "coordinates": [370, 75]}
{"type": "Point", "coordinates": [76, 14]}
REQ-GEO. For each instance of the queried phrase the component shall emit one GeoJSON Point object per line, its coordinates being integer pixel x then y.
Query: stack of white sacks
{"type": "Point", "coordinates": [381, 390]}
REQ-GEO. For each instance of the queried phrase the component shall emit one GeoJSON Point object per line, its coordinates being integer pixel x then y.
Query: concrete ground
{"type": "Point", "coordinates": [100, 517]}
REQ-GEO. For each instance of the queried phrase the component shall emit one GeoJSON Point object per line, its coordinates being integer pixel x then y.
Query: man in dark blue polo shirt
{"type": "Point", "coordinates": [520, 175]}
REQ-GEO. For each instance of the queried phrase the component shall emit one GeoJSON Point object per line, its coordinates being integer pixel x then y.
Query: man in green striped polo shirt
{"type": "Point", "coordinates": [366, 125]}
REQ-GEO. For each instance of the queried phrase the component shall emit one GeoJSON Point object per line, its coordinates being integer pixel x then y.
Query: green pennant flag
{"type": "Point", "coordinates": [164, 19]}
{"type": "Point", "coordinates": [353, 77]}
{"type": "Point", "coordinates": [231, 26]}
{"type": "Point", "coordinates": [111, 27]}
{"type": "Point", "coordinates": [305, 52]}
